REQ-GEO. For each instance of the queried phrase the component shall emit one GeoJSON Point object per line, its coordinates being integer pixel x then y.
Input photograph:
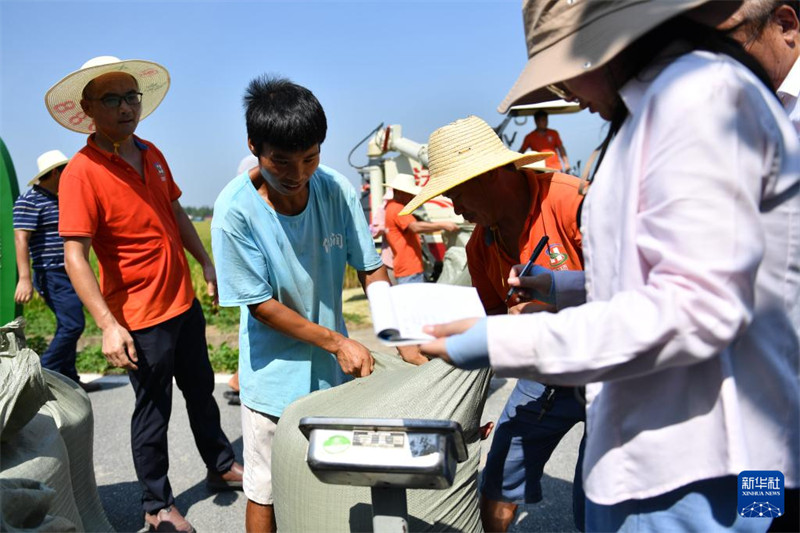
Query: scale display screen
{"type": "Point", "coordinates": [408, 453]}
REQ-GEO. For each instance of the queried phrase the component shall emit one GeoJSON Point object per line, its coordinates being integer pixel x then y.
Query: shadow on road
{"type": "Point", "coordinates": [550, 514]}
{"type": "Point", "coordinates": [122, 501]}
{"type": "Point", "coordinates": [109, 385]}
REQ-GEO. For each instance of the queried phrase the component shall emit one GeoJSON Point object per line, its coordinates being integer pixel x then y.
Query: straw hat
{"type": "Point", "coordinates": [462, 150]}
{"type": "Point", "coordinates": [569, 38]}
{"type": "Point", "coordinates": [405, 183]}
{"type": "Point", "coordinates": [63, 100]}
{"type": "Point", "coordinates": [47, 162]}
{"type": "Point", "coordinates": [539, 166]}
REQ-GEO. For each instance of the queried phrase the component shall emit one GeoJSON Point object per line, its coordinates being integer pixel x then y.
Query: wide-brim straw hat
{"type": "Point", "coordinates": [47, 162]}
{"type": "Point", "coordinates": [405, 183]}
{"type": "Point", "coordinates": [461, 151]}
{"type": "Point", "coordinates": [568, 38]}
{"type": "Point", "coordinates": [540, 166]}
{"type": "Point", "coordinates": [63, 100]}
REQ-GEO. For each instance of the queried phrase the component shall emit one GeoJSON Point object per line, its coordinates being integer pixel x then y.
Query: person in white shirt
{"type": "Point", "coordinates": [770, 31]}
{"type": "Point", "coordinates": [689, 341]}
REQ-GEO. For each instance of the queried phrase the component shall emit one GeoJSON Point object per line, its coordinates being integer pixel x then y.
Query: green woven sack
{"type": "Point", "coordinates": [395, 389]}
{"type": "Point", "coordinates": [22, 387]}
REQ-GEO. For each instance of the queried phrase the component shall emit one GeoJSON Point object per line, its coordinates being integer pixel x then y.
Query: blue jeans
{"type": "Point", "coordinates": [524, 440]}
{"type": "Point", "coordinates": [54, 286]}
{"type": "Point", "coordinates": [703, 506]}
{"type": "Point", "coordinates": [413, 278]}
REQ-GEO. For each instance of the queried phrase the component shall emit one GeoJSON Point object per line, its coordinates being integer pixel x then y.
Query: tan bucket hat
{"type": "Point", "coordinates": [405, 183]}
{"type": "Point", "coordinates": [63, 100]}
{"type": "Point", "coordinates": [47, 162]}
{"type": "Point", "coordinates": [461, 151]}
{"type": "Point", "coordinates": [568, 38]}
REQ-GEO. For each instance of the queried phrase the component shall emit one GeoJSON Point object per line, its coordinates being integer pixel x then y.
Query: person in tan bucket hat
{"type": "Point", "coordinates": [690, 338]}
{"type": "Point", "coordinates": [514, 202]}
{"type": "Point", "coordinates": [118, 197]}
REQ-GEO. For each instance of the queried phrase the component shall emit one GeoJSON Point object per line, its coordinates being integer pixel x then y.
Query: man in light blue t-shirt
{"type": "Point", "coordinates": [282, 235]}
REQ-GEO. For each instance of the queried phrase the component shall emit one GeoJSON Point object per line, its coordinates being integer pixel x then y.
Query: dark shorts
{"type": "Point", "coordinates": [522, 443]}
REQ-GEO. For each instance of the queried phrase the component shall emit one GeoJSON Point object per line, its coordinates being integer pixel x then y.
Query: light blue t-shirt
{"type": "Point", "coordinates": [298, 260]}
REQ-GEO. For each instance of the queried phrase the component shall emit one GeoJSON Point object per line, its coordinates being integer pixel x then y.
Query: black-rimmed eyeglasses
{"type": "Point", "coordinates": [113, 101]}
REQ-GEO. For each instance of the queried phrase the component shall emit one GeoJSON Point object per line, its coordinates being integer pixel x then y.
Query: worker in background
{"type": "Point", "coordinates": [403, 231]}
{"type": "Point", "coordinates": [36, 237]}
{"type": "Point", "coordinates": [247, 163]}
{"type": "Point", "coordinates": [543, 139]}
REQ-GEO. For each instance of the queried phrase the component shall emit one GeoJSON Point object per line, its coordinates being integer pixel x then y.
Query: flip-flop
{"type": "Point", "coordinates": [232, 396]}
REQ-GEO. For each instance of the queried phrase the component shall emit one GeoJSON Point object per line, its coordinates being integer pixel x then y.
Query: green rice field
{"type": "Point", "coordinates": [223, 322]}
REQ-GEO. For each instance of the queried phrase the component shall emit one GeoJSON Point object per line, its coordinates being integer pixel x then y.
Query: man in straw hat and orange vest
{"type": "Point", "coordinates": [689, 343]}
{"type": "Point", "coordinates": [514, 205]}
{"type": "Point", "coordinates": [36, 240]}
{"type": "Point", "coordinates": [402, 231]}
{"type": "Point", "coordinates": [117, 196]}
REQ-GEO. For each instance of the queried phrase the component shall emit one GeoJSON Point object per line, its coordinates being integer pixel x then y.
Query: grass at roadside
{"type": "Point", "coordinates": [41, 323]}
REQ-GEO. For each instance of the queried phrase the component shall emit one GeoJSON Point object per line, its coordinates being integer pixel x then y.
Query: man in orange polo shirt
{"type": "Point", "coordinates": [543, 139]}
{"type": "Point", "coordinates": [402, 231]}
{"type": "Point", "coordinates": [513, 207]}
{"type": "Point", "coordinates": [117, 196]}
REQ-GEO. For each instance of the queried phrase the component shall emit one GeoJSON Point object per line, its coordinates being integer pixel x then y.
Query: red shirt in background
{"type": "Point", "coordinates": [544, 142]}
{"type": "Point", "coordinates": [405, 243]}
{"type": "Point", "coordinates": [144, 274]}
{"type": "Point", "coordinates": [554, 208]}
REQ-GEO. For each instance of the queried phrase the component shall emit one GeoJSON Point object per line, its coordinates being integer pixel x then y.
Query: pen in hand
{"type": "Point", "coordinates": [527, 268]}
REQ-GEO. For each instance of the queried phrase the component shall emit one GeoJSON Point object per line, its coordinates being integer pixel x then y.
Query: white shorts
{"type": "Point", "coordinates": [258, 430]}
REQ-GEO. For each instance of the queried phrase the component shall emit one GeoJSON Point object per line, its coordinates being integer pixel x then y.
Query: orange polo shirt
{"type": "Point", "coordinates": [546, 142]}
{"type": "Point", "coordinates": [404, 243]}
{"type": "Point", "coordinates": [554, 208]}
{"type": "Point", "coordinates": [144, 275]}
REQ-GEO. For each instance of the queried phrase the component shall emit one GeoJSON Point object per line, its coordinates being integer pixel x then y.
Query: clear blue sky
{"type": "Point", "coordinates": [421, 64]}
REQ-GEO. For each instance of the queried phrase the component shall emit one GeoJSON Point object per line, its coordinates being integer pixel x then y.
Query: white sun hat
{"type": "Point", "coordinates": [63, 100]}
{"type": "Point", "coordinates": [461, 151]}
{"type": "Point", "coordinates": [47, 162]}
{"type": "Point", "coordinates": [249, 161]}
{"type": "Point", "coordinates": [405, 183]}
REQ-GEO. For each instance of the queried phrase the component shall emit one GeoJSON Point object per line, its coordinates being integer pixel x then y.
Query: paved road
{"type": "Point", "coordinates": [224, 512]}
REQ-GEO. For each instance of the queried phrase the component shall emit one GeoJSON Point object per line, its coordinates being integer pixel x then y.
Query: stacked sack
{"type": "Point", "coordinates": [46, 440]}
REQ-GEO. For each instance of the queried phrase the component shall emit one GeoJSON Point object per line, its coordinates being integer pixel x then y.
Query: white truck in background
{"type": "Point", "coordinates": [389, 154]}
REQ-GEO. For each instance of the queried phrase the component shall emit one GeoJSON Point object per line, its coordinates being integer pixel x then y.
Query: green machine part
{"type": "Point", "coordinates": [9, 190]}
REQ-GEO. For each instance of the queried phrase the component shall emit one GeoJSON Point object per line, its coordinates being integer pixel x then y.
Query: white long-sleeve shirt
{"type": "Point", "coordinates": [689, 340]}
{"type": "Point", "coordinates": [789, 93]}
